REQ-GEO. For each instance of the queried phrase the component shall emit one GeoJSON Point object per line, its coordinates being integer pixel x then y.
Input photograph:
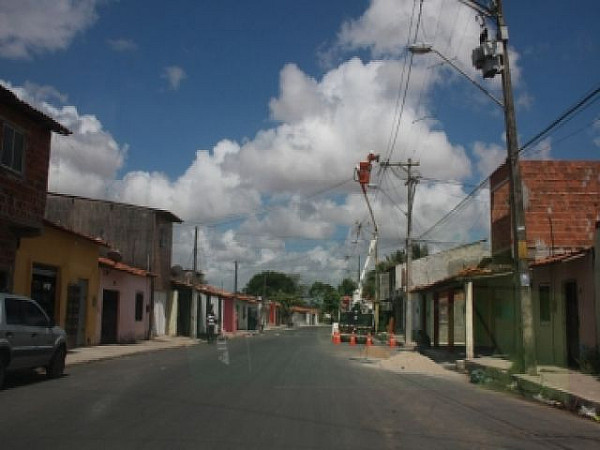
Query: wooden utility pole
{"type": "Point", "coordinates": [522, 277]}
{"type": "Point", "coordinates": [411, 184]}
{"type": "Point", "coordinates": [492, 63]}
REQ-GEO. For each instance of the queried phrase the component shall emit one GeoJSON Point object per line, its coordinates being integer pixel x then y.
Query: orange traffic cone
{"type": "Point", "coordinates": [392, 340]}
{"type": "Point", "coordinates": [337, 339]}
{"type": "Point", "coordinates": [369, 340]}
{"type": "Point", "coordinates": [353, 339]}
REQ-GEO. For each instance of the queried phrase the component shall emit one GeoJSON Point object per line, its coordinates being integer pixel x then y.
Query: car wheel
{"type": "Point", "coordinates": [57, 364]}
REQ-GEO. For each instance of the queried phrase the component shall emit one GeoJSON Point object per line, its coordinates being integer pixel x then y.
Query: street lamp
{"type": "Point", "coordinates": [491, 62]}
{"type": "Point", "coordinates": [423, 49]}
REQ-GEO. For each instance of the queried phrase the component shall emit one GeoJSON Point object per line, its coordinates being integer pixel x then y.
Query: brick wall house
{"type": "Point", "coordinates": [562, 205]}
{"type": "Point", "coordinates": [562, 209]}
{"type": "Point", "coordinates": [24, 157]}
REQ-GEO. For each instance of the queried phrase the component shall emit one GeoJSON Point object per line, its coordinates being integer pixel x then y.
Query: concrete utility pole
{"type": "Point", "coordinates": [411, 183]}
{"type": "Point", "coordinates": [195, 250]}
{"type": "Point", "coordinates": [487, 61]}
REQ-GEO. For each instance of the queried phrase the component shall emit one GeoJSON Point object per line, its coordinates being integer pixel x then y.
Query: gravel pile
{"type": "Point", "coordinates": [414, 362]}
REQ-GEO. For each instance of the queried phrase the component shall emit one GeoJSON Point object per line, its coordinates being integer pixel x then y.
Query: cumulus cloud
{"type": "Point", "coordinates": [489, 157]}
{"type": "Point", "coordinates": [90, 153]}
{"type": "Point", "coordinates": [174, 76]}
{"type": "Point", "coordinates": [29, 27]}
{"type": "Point", "coordinates": [281, 199]}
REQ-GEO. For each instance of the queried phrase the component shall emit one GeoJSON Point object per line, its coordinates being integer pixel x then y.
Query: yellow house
{"type": "Point", "coordinates": [59, 269]}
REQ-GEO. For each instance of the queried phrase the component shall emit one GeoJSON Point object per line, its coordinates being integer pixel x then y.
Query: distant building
{"type": "Point", "coordinates": [24, 158]}
{"type": "Point", "coordinates": [142, 235]}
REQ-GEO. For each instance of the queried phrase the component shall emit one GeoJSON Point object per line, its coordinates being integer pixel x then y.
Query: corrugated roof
{"type": "Point", "coordinates": [9, 98]}
{"type": "Point", "coordinates": [561, 258]}
{"type": "Point", "coordinates": [168, 214]}
{"type": "Point", "coordinates": [95, 240]}
{"type": "Point", "coordinates": [106, 262]}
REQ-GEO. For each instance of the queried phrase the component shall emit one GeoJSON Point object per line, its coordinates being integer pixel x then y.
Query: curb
{"type": "Point", "coordinates": [125, 354]}
{"type": "Point", "coordinates": [517, 383]}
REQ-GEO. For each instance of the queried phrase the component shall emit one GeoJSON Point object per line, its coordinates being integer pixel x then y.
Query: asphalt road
{"type": "Point", "coordinates": [284, 390]}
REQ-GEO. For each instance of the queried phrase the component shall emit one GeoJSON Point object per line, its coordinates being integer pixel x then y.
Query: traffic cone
{"type": "Point", "coordinates": [392, 340]}
{"type": "Point", "coordinates": [337, 339]}
{"type": "Point", "coordinates": [353, 339]}
{"type": "Point", "coordinates": [369, 340]}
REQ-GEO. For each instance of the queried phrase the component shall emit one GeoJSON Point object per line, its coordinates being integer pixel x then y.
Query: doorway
{"type": "Point", "coordinates": [43, 288]}
{"type": "Point", "coordinates": [110, 316]}
{"type": "Point", "coordinates": [572, 323]}
{"type": "Point", "coordinates": [76, 313]}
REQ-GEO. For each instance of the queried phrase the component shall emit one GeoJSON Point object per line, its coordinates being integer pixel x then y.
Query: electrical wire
{"type": "Point", "coordinates": [563, 118]}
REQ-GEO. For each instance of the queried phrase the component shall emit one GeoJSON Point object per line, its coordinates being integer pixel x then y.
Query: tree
{"type": "Point", "coordinates": [347, 286]}
{"type": "Point", "coordinates": [272, 284]}
{"type": "Point", "coordinates": [278, 287]}
{"type": "Point", "coordinates": [326, 295]}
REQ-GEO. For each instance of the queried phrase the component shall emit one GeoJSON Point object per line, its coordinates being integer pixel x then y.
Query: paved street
{"type": "Point", "coordinates": [281, 390]}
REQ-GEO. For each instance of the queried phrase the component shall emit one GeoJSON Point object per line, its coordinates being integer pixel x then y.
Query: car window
{"type": "Point", "coordinates": [12, 307]}
{"type": "Point", "coordinates": [33, 315]}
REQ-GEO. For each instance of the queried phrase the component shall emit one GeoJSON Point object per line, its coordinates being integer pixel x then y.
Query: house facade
{"type": "Point", "coordinates": [59, 269]}
{"type": "Point", "coordinates": [124, 308]}
{"type": "Point", "coordinates": [25, 135]}
{"type": "Point", "coordinates": [143, 237]}
{"type": "Point", "coordinates": [562, 211]}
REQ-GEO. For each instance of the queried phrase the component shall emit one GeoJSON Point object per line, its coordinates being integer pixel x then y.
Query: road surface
{"type": "Point", "coordinates": [279, 390]}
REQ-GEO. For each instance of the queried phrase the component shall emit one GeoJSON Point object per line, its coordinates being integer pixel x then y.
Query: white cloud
{"type": "Point", "coordinates": [29, 27]}
{"type": "Point", "coordinates": [541, 150]}
{"type": "Point", "coordinates": [489, 157]}
{"type": "Point", "coordinates": [287, 181]}
{"type": "Point", "coordinates": [174, 76]}
{"type": "Point", "coordinates": [122, 45]}
{"type": "Point", "coordinates": [90, 153]}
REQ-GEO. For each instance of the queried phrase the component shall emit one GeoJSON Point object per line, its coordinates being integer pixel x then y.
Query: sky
{"type": "Point", "coordinates": [247, 119]}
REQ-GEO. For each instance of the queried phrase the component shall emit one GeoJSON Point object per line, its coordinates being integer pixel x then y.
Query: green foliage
{"type": "Point", "coordinates": [399, 257]}
{"type": "Point", "coordinates": [271, 284]}
{"type": "Point", "coordinates": [326, 295]}
{"type": "Point", "coordinates": [347, 286]}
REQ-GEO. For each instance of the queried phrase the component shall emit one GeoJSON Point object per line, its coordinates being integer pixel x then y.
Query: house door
{"type": "Point", "coordinates": [43, 288]}
{"type": "Point", "coordinates": [572, 323]}
{"type": "Point", "coordinates": [76, 308]}
{"type": "Point", "coordinates": [184, 312]}
{"type": "Point", "coordinates": [110, 316]}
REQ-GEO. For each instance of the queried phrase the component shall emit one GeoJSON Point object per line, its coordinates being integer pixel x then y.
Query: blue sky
{"type": "Point", "coordinates": [260, 111]}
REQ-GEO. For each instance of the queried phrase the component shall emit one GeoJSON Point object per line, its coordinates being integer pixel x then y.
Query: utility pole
{"type": "Point", "coordinates": [411, 184]}
{"type": "Point", "coordinates": [235, 280]}
{"type": "Point", "coordinates": [195, 250]}
{"type": "Point", "coordinates": [491, 63]}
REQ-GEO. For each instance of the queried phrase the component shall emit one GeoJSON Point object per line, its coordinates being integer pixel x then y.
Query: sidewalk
{"type": "Point", "coordinates": [555, 386]}
{"type": "Point", "coordinates": [81, 355]}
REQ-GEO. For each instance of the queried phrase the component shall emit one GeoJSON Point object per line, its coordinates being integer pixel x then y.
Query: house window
{"type": "Point", "coordinates": [139, 306]}
{"type": "Point", "coordinates": [544, 295]}
{"type": "Point", "coordinates": [13, 145]}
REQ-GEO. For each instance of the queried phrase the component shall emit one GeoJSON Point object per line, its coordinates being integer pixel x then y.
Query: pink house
{"type": "Point", "coordinates": [124, 297]}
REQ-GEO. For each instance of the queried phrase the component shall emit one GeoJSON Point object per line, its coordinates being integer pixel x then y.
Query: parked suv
{"type": "Point", "coordinates": [28, 338]}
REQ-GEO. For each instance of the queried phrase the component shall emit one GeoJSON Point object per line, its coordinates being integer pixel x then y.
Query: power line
{"type": "Point", "coordinates": [563, 118]}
